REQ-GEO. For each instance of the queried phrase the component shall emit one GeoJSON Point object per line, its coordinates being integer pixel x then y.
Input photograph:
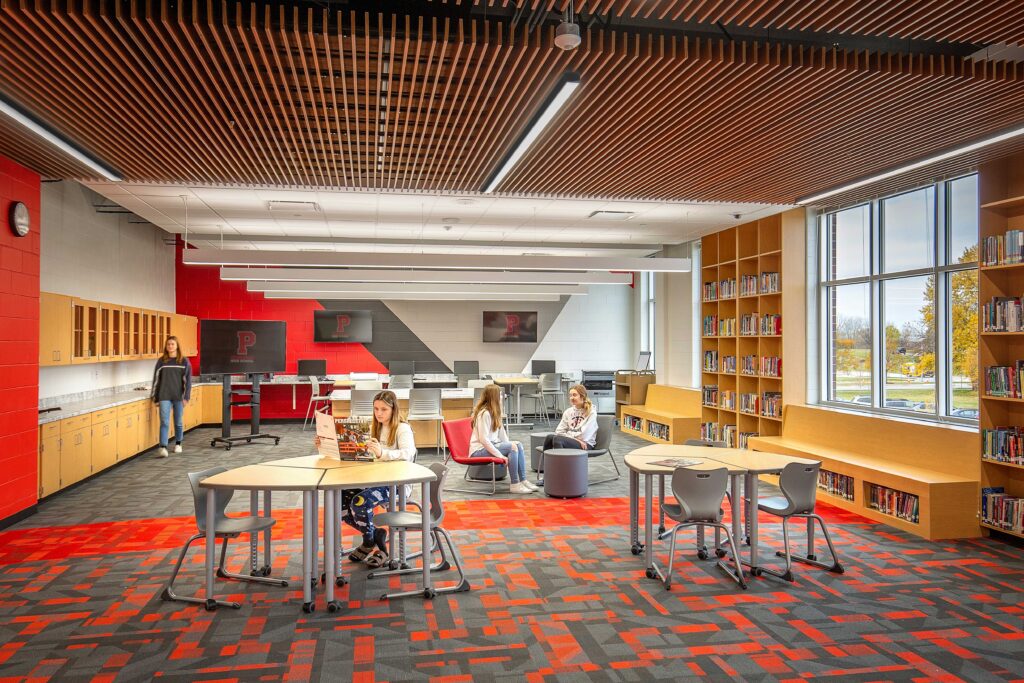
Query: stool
{"type": "Point", "coordinates": [537, 442]}
{"type": "Point", "coordinates": [483, 472]}
{"type": "Point", "coordinates": [565, 473]}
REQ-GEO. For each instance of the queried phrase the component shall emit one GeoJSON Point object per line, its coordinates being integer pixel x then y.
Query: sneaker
{"type": "Point", "coordinates": [177, 448]}
{"type": "Point", "coordinates": [520, 487]}
{"type": "Point", "coordinates": [162, 453]}
{"type": "Point", "coordinates": [530, 485]}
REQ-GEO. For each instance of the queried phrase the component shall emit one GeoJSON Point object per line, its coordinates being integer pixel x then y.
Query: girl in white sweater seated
{"type": "Point", "coordinates": [490, 439]}
{"type": "Point", "coordinates": [578, 428]}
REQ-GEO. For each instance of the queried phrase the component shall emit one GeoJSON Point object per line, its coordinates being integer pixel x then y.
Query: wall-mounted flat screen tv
{"type": "Point", "coordinates": [510, 326]}
{"type": "Point", "coordinates": [239, 347]}
{"type": "Point", "coordinates": [343, 326]}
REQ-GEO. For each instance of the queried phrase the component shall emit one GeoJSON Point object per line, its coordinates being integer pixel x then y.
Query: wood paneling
{"type": "Point", "coordinates": [241, 93]}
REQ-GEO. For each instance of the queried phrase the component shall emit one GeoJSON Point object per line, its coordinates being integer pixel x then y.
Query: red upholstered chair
{"type": "Point", "coordinates": [457, 433]}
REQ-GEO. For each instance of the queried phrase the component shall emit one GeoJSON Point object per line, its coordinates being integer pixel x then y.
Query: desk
{"type": "Point", "coordinates": [266, 478]}
{"type": "Point", "coordinates": [517, 382]}
{"type": "Point", "coordinates": [741, 464]}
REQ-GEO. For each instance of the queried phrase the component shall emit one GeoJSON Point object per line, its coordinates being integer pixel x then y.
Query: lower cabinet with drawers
{"type": "Point", "coordinates": [75, 448]}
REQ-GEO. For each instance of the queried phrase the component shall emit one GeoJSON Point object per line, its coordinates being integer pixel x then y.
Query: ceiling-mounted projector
{"type": "Point", "coordinates": [567, 35]}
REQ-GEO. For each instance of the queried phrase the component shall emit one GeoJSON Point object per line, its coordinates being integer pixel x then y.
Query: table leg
{"type": "Point", "coordinates": [307, 551]}
{"type": "Point", "coordinates": [266, 534]}
{"type": "Point", "coordinates": [313, 573]}
{"type": "Point", "coordinates": [330, 558]}
{"type": "Point", "coordinates": [211, 548]}
{"type": "Point", "coordinates": [401, 532]}
{"type": "Point", "coordinates": [750, 485]}
{"type": "Point", "coordinates": [428, 589]}
{"type": "Point", "coordinates": [652, 569]}
{"type": "Point", "coordinates": [634, 513]}
{"type": "Point", "coordinates": [737, 513]}
{"type": "Point", "coordinates": [392, 544]}
{"type": "Point", "coordinates": [254, 538]}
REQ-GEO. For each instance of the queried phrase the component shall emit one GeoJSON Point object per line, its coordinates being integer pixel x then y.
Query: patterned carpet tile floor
{"type": "Point", "coordinates": [556, 597]}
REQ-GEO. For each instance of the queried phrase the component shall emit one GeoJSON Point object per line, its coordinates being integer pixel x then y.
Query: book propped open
{"type": "Point", "coordinates": [342, 439]}
{"type": "Point", "coordinates": [676, 462]}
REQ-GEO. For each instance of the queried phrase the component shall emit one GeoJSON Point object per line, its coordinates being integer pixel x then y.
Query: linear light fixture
{"type": "Point", "coordinates": [26, 121]}
{"type": "Point", "coordinates": [560, 96]}
{"type": "Point", "coordinates": [927, 161]}
{"type": "Point", "coordinates": [412, 296]}
{"type": "Point", "coordinates": [503, 277]}
{"type": "Point", "coordinates": [341, 259]}
{"type": "Point", "coordinates": [383, 289]}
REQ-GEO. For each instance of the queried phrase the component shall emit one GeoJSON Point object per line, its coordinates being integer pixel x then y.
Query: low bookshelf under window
{"type": "Point", "coordinates": [659, 431]}
{"type": "Point", "coordinates": [836, 484]}
{"type": "Point", "coordinates": [634, 423]}
{"type": "Point", "coordinates": [899, 504]}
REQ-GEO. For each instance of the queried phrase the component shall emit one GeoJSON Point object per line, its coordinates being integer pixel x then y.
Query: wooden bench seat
{"type": "Point", "coordinates": [936, 463]}
{"type": "Point", "coordinates": [676, 408]}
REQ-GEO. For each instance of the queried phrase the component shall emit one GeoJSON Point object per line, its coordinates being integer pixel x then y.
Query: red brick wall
{"type": "Point", "coordinates": [19, 343]}
{"type": "Point", "coordinates": [201, 292]}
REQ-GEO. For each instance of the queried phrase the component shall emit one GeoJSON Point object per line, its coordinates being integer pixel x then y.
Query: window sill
{"type": "Point", "coordinates": [959, 424]}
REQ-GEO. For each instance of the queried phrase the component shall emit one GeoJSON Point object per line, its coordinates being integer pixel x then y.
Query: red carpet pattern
{"type": "Point", "coordinates": [556, 596]}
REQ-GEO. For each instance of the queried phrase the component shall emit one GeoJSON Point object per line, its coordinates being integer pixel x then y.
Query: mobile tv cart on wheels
{"type": "Point", "coordinates": [253, 403]}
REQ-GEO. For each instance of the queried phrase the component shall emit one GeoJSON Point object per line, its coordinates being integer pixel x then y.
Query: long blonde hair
{"type": "Point", "coordinates": [396, 418]}
{"type": "Point", "coordinates": [490, 400]}
{"type": "Point", "coordinates": [587, 404]}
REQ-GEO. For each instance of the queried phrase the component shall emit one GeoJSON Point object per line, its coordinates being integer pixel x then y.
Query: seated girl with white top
{"type": "Point", "coordinates": [490, 439]}
{"type": "Point", "coordinates": [578, 427]}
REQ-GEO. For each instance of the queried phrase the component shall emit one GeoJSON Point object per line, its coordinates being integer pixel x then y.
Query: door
{"type": "Point", "coordinates": [55, 329]}
{"type": "Point", "coordinates": [104, 445]}
{"type": "Point", "coordinates": [49, 464]}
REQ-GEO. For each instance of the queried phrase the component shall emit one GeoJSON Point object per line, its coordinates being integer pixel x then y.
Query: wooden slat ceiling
{"type": "Point", "coordinates": [963, 21]}
{"type": "Point", "coordinates": [260, 95]}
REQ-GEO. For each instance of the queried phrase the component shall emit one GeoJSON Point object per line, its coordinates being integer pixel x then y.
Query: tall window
{"type": "Point", "coordinates": [647, 319]}
{"type": "Point", "coordinates": [899, 303]}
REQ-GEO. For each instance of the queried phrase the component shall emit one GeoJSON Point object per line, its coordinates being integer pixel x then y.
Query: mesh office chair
{"type": "Point", "coordinates": [602, 444]}
{"type": "Point", "coordinates": [425, 404]}
{"type": "Point", "coordinates": [699, 495]}
{"type": "Point", "coordinates": [414, 520]}
{"type": "Point", "coordinates": [400, 382]}
{"type": "Point", "coordinates": [361, 403]}
{"type": "Point", "coordinates": [315, 399]}
{"type": "Point", "coordinates": [224, 528]}
{"type": "Point", "coordinates": [550, 387]}
{"type": "Point", "coordinates": [799, 485]}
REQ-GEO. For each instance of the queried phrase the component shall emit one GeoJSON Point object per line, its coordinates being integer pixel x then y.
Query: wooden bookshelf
{"type": "Point", "coordinates": [1001, 198]}
{"type": "Point", "coordinates": [631, 389]}
{"type": "Point", "coordinates": [740, 252]}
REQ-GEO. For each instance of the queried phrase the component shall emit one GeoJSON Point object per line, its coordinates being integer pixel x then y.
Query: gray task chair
{"type": "Point", "coordinates": [550, 387]}
{"type": "Point", "coordinates": [602, 445]}
{"type": "Point", "coordinates": [315, 399]}
{"type": "Point", "coordinates": [224, 528]}
{"type": "Point", "coordinates": [699, 495]}
{"type": "Point", "coordinates": [411, 521]}
{"type": "Point", "coordinates": [361, 403]}
{"type": "Point", "coordinates": [702, 549]}
{"type": "Point", "coordinates": [400, 382]}
{"type": "Point", "coordinates": [799, 485]}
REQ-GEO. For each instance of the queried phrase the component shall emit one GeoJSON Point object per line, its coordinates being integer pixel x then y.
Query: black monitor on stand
{"type": "Point", "coordinates": [540, 367]}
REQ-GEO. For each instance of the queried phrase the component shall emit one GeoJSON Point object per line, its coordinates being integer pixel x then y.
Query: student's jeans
{"type": "Point", "coordinates": [165, 419]}
{"type": "Point", "coordinates": [563, 441]}
{"type": "Point", "coordinates": [516, 459]}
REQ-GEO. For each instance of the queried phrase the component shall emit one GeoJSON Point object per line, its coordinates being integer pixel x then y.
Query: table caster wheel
{"type": "Point", "coordinates": [636, 549]}
{"type": "Point", "coordinates": [228, 447]}
{"type": "Point", "coordinates": [266, 570]}
{"type": "Point", "coordinates": [650, 574]}
{"type": "Point", "coordinates": [340, 581]}
{"type": "Point", "coordinates": [210, 605]}
{"type": "Point", "coordinates": [393, 565]}
{"type": "Point", "coordinates": [429, 593]}
{"type": "Point", "coordinates": [838, 569]}
{"type": "Point", "coordinates": [756, 571]}
{"type": "Point", "coordinates": [720, 553]}
{"type": "Point", "coordinates": [308, 607]}
{"type": "Point", "coordinates": [702, 554]}
{"type": "Point", "coordinates": [333, 606]}
{"type": "Point", "coordinates": [166, 595]}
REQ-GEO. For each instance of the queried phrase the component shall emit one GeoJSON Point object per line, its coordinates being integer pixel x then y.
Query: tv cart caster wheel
{"type": "Point", "coordinates": [650, 573]}
{"type": "Point", "coordinates": [248, 440]}
{"type": "Point", "coordinates": [702, 554]}
{"type": "Point", "coordinates": [228, 447]}
{"type": "Point", "coordinates": [756, 571]}
{"type": "Point", "coordinates": [429, 593]}
{"type": "Point", "coordinates": [720, 553]}
{"type": "Point", "coordinates": [210, 605]}
{"type": "Point", "coordinates": [308, 607]}
{"type": "Point", "coordinates": [340, 581]}
{"type": "Point", "coordinates": [636, 549]}
{"type": "Point", "coordinates": [333, 606]}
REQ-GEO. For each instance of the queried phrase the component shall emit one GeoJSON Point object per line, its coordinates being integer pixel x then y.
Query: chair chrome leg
{"type": "Point", "coordinates": [461, 585]}
{"type": "Point", "coordinates": [441, 566]}
{"type": "Point", "coordinates": [661, 505]}
{"type": "Point", "coordinates": [168, 593]}
{"type": "Point", "coordinates": [835, 567]}
{"type": "Point", "coordinates": [617, 473]}
{"type": "Point", "coordinates": [225, 574]}
{"type": "Point", "coordinates": [784, 553]}
{"type": "Point", "coordinates": [671, 556]}
{"type": "Point", "coordinates": [736, 573]}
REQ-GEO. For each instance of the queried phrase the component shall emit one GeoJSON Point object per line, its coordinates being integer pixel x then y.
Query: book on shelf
{"type": "Point", "coordinates": [727, 327]}
{"type": "Point", "coordinates": [748, 325]}
{"type": "Point", "coordinates": [899, 504]}
{"type": "Point", "coordinates": [749, 403]}
{"type": "Point", "coordinates": [711, 291]}
{"type": "Point", "coordinates": [1001, 510]}
{"type": "Point", "coordinates": [1003, 444]}
{"type": "Point", "coordinates": [727, 289]}
{"type": "Point", "coordinates": [771, 404]}
{"type": "Point", "coordinates": [709, 431]}
{"type": "Point", "coordinates": [709, 395]}
{"type": "Point", "coordinates": [729, 364]}
{"type": "Point", "coordinates": [836, 484]}
{"type": "Point", "coordinates": [631, 422]}
{"type": "Point", "coordinates": [771, 324]}
{"type": "Point", "coordinates": [744, 436]}
{"type": "Point", "coordinates": [658, 430]}
{"type": "Point", "coordinates": [771, 366]}
{"type": "Point", "coordinates": [711, 361]}
{"type": "Point", "coordinates": [1002, 314]}
{"type": "Point", "coordinates": [769, 282]}
{"type": "Point", "coordinates": [749, 366]}
{"type": "Point", "coordinates": [710, 326]}
{"type": "Point", "coordinates": [1005, 249]}
{"type": "Point", "coordinates": [730, 435]}
{"type": "Point", "coordinates": [727, 400]}
{"type": "Point", "coordinates": [748, 285]}
{"type": "Point", "coordinates": [1003, 381]}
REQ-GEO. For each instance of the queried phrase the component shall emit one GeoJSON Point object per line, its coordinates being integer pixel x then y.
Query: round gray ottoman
{"type": "Point", "coordinates": [565, 472]}
{"type": "Point", "coordinates": [537, 441]}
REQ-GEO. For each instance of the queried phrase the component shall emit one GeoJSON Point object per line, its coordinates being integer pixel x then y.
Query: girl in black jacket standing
{"type": "Point", "coordinates": [172, 388]}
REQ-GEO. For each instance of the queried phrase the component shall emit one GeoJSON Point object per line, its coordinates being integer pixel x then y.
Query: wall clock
{"type": "Point", "coordinates": [19, 219]}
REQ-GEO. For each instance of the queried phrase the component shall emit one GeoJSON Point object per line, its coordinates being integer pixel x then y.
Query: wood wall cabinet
{"type": "Point", "coordinates": [85, 317]}
{"type": "Point", "coordinates": [631, 389]}
{"type": "Point", "coordinates": [186, 329]}
{"type": "Point", "coordinates": [55, 329]}
{"type": "Point", "coordinates": [213, 408]}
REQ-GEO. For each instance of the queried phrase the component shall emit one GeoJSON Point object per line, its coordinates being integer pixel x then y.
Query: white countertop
{"type": "Point", "coordinates": [89, 405]}
{"type": "Point", "coordinates": [403, 394]}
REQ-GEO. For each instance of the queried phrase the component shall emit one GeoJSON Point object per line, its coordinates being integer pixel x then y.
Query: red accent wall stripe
{"type": "Point", "coordinates": [19, 343]}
